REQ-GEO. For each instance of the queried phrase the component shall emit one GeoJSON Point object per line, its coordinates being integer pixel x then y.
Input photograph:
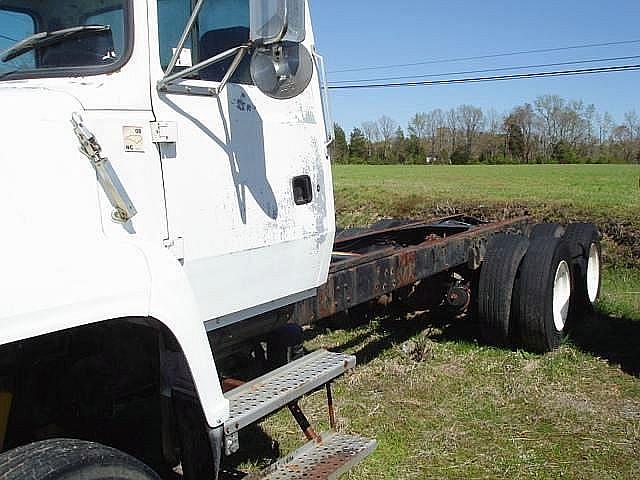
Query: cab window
{"type": "Point", "coordinates": [115, 19]}
{"type": "Point", "coordinates": [221, 25]}
{"type": "Point", "coordinates": [15, 25]}
{"type": "Point", "coordinates": [84, 36]}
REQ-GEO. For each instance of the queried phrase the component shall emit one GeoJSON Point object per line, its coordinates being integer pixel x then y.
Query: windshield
{"type": "Point", "coordinates": [87, 50]}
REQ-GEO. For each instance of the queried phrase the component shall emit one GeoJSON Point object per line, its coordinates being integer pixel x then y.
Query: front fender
{"type": "Point", "coordinates": [52, 286]}
{"type": "Point", "coordinates": [57, 286]}
{"type": "Point", "coordinates": [172, 302]}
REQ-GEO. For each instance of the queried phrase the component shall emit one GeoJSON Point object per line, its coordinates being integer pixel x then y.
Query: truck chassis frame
{"type": "Point", "coordinates": [372, 263]}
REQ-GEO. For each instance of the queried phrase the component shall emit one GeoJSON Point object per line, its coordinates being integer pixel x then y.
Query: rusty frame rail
{"type": "Point", "coordinates": [374, 263]}
{"type": "Point", "coordinates": [357, 279]}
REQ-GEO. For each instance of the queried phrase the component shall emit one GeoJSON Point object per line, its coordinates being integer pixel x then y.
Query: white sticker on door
{"type": "Point", "coordinates": [185, 59]}
{"type": "Point", "coordinates": [133, 139]}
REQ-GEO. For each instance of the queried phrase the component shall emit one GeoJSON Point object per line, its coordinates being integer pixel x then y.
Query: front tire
{"type": "Point", "coordinates": [66, 459]}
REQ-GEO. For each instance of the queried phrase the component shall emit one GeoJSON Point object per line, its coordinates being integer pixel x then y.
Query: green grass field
{"type": "Point", "coordinates": [601, 190]}
{"type": "Point", "coordinates": [443, 406]}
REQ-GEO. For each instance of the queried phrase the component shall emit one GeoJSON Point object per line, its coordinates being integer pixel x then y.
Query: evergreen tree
{"type": "Point", "coordinates": [515, 141]}
{"type": "Point", "coordinates": [357, 146]}
{"type": "Point", "coordinates": [340, 150]}
{"type": "Point", "coordinates": [398, 148]}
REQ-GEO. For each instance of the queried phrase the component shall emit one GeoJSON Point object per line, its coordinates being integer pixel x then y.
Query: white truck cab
{"type": "Point", "coordinates": [161, 160]}
{"type": "Point", "coordinates": [168, 227]}
{"type": "Point", "coordinates": [231, 182]}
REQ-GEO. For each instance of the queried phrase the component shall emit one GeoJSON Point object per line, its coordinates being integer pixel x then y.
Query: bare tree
{"type": "Point", "coordinates": [623, 138]}
{"type": "Point", "coordinates": [387, 127]}
{"type": "Point", "coordinates": [418, 125]}
{"type": "Point", "coordinates": [549, 108]}
{"type": "Point", "coordinates": [632, 121]}
{"type": "Point", "coordinates": [427, 127]}
{"type": "Point", "coordinates": [453, 123]}
{"type": "Point", "coordinates": [524, 119]}
{"type": "Point", "coordinates": [605, 126]}
{"type": "Point", "coordinates": [551, 128]}
{"type": "Point", "coordinates": [372, 134]}
{"type": "Point", "coordinates": [435, 126]}
{"type": "Point", "coordinates": [471, 121]}
{"type": "Point", "coordinates": [493, 122]}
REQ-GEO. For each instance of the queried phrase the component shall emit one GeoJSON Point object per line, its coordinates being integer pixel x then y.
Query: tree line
{"type": "Point", "coordinates": [549, 130]}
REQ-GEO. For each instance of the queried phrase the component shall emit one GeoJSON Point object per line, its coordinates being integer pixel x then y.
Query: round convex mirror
{"type": "Point", "coordinates": [282, 71]}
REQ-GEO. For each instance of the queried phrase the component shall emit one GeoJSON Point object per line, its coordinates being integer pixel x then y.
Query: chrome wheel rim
{"type": "Point", "coordinates": [561, 295]}
{"type": "Point", "coordinates": [593, 273]}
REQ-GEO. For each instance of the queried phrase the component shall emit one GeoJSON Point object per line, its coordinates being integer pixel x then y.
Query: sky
{"type": "Point", "coordinates": [362, 33]}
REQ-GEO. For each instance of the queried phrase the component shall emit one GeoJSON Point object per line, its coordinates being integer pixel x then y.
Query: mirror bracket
{"type": "Point", "coordinates": [239, 52]}
{"type": "Point", "coordinates": [166, 84]}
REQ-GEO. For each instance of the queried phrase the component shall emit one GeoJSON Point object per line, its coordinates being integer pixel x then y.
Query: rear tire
{"type": "Point", "coordinates": [587, 267]}
{"type": "Point", "coordinates": [543, 294]}
{"type": "Point", "coordinates": [546, 230]}
{"type": "Point", "coordinates": [495, 288]}
{"type": "Point", "coordinates": [71, 460]}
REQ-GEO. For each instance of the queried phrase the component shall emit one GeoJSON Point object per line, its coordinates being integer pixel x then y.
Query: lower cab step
{"type": "Point", "coordinates": [325, 456]}
{"type": "Point", "coordinates": [327, 459]}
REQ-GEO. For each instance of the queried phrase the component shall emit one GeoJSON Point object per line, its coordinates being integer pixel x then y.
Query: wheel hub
{"type": "Point", "coordinates": [561, 295]}
{"type": "Point", "coordinates": [593, 273]}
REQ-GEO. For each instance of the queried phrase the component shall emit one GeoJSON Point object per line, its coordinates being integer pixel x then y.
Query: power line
{"type": "Point", "coordinates": [502, 69]}
{"type": "Point", "coordinates": [561, 73]}
{"type": "Point", "coordinates": [483, 57]}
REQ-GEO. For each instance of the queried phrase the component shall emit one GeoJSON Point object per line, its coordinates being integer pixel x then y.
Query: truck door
{"type": "Point", "coordinates": [247, 178]}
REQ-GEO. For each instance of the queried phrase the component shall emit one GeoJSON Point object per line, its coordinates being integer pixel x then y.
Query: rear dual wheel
{"type": "Point", "coordinates": [531, 291]}
{"type": "Point", "coordinates": [586, 265]}
{"type": "Point", "coordinates": [542, 294]}
{"type": "Point", "coordinates": [496, 286]}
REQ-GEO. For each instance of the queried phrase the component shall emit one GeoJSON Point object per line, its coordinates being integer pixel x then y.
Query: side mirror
{"type": "Point", "coordinates": [275, 21]}
{"type": "Point", "coordinates": [281, 67]}
{"type": "Point", "coordinates": [282, 71]}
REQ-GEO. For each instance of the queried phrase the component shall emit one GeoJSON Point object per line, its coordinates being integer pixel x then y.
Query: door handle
{"type": "Point", "coordinates": [302, 190]}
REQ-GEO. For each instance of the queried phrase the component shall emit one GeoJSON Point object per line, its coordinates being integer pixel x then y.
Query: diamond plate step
{"type": "Point", "coordinates": [257, 399]}
{"type": "Point", "coordinates": [337, 454]}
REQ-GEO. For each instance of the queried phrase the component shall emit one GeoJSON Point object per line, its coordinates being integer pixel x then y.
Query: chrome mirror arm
{"type": "Point", "coordinates": [183, 38]}
{"type": "Point", "coordinates": [162, 84]}
{"type": "Point", "coordinates": [232, 68]}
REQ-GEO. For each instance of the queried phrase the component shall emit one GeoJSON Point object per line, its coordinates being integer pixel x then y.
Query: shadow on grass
{"type": "Point", "coordinates": [393, 326]}
{"type": "Point", "coordinates": [614, 339]}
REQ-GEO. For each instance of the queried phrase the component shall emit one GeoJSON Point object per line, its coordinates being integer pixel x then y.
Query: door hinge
{"type": "Point", "coordinates": [164, 132]}
{"type": "Point", "coordinates": [124, 210]}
